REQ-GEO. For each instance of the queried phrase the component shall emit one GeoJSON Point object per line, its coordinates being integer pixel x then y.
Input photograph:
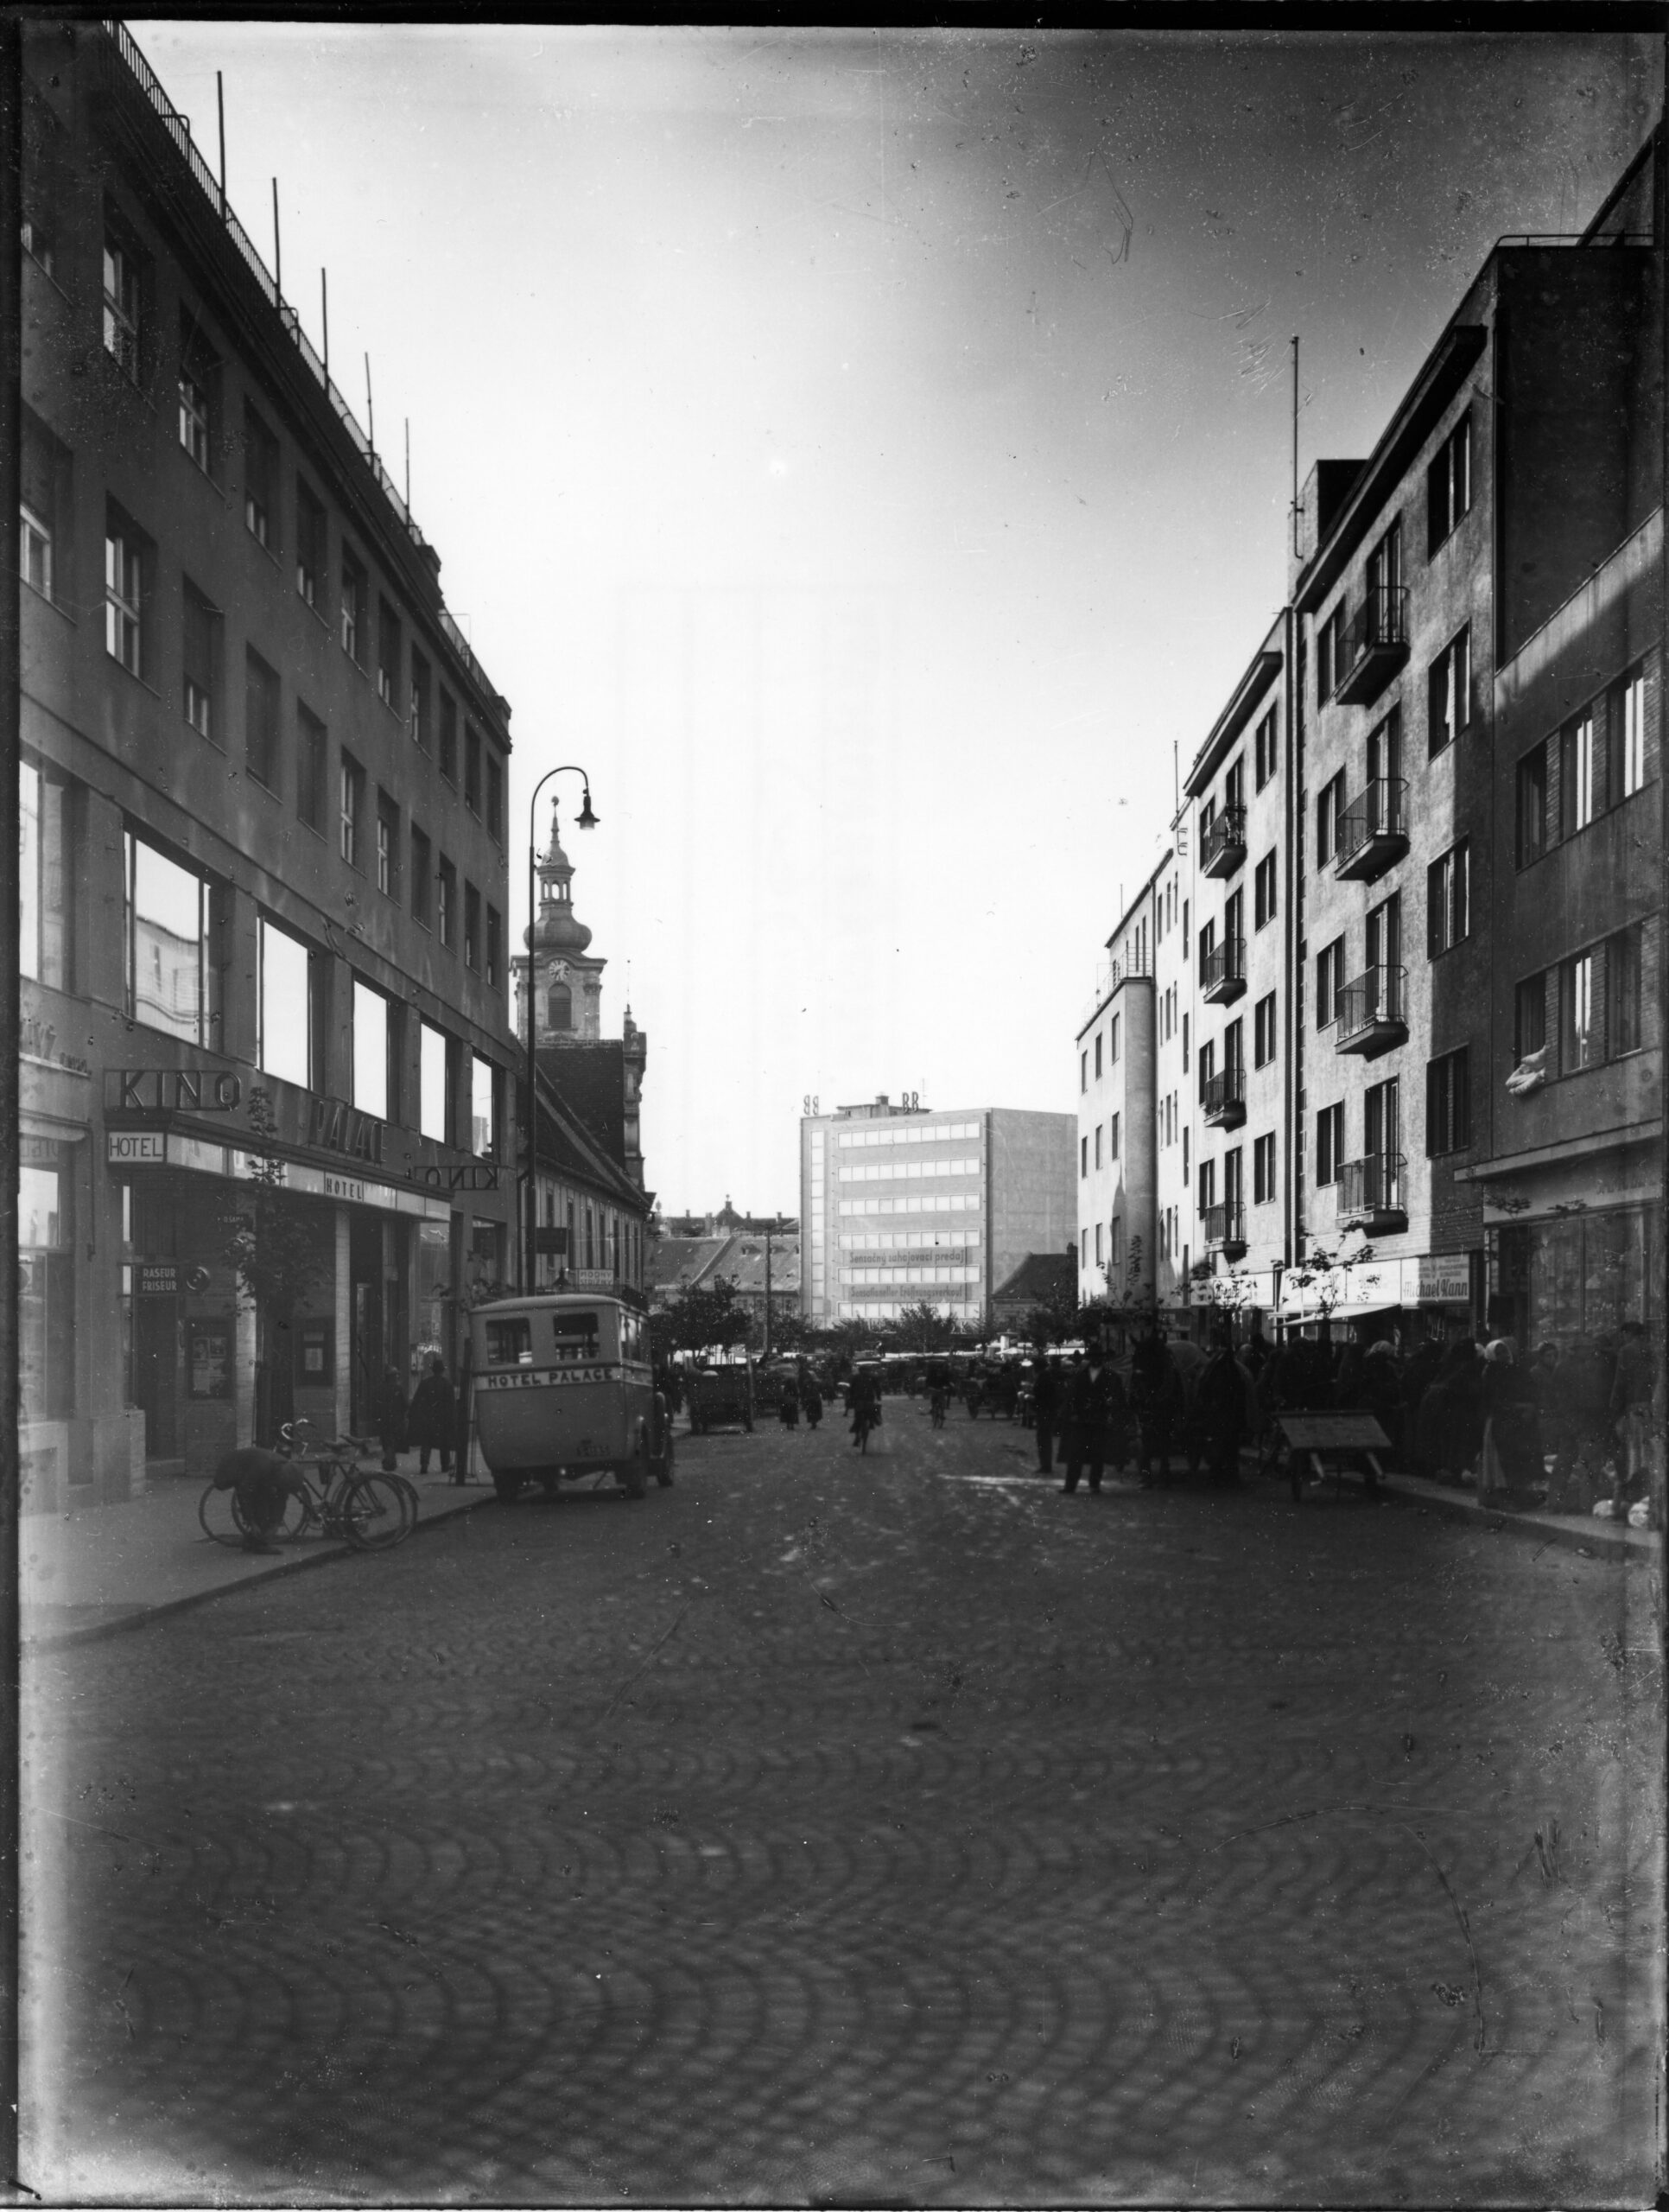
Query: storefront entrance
{"type": "Point", "coordinates": [376, 1277]}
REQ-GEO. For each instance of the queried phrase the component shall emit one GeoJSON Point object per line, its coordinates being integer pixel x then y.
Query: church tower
{"type": "Point", "coordinates": [567, 980]}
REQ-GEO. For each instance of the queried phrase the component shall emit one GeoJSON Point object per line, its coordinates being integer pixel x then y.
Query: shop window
{"type": "Point", "coordinates": [46, 1258]}
{"type": "Point", "coordinates": [172, 974]}
{"type": "Point", "coordinates": [284, 1028]}
{"type": "Point", "coordinates": [1590, 1274]}
{"type": "Point", "coordinates": [431, 1083]}
{"type": "Point", "coordinates": [46, 873]}
{"type": "Point", "coordinates": [370, 1050]}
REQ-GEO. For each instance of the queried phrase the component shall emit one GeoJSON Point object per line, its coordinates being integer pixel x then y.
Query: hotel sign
{"type": "Point", "coordinates": [137, 1149]}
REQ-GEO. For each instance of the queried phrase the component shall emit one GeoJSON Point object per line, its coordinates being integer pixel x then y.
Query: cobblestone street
{"type": "Point", "coordinates": [833, 1829]}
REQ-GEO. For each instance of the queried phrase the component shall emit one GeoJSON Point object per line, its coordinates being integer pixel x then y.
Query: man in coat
{"type": "Point", "coordinates": [1220, 1410]}
{"type": "Point", "coordinates": [1156, 1399]}
{"type": "Point", "coordinates": [1083, 1422]}
{"type": "Point", "coordinates": [432, 1416]}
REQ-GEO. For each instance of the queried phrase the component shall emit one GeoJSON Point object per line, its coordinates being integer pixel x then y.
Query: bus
{"type": "Point", "coordinates": [564, 1388]}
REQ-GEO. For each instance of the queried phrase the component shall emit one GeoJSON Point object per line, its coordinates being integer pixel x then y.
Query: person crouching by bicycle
{"type": "Point", "coordinates": [432, 1416]}
{"type": "Point", "coordinates": [263, 1483]}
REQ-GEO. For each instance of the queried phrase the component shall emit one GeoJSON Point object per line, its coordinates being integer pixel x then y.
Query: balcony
{"type": "Point", "coordinates": [1225, 1229]}
{"type": "Point", "coordinates": [1223, 843]}
{"type": "Point", "coordinates": [1371, 1016]}
{"type": "Point", "coordinates": [1372, 832]}
{"type": "Point", "coordinates": [1223, 1099]}
{"type": "Point", "coordinates": [1374, 645]}
{"type": "Point", "coordinates": [1370, 1196]}
{"type": "Point", "coordinates": [1223, 972]}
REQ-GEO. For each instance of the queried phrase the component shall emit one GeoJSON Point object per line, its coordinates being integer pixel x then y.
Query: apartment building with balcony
{"type": "Point", "coordinates": [1117, 1045]}
{"type": "Point", "coordinates": [1176, 1027]}
{"type": "Point", "coordinates": [1238, 788]}
{"type": "Point", "coordinates": [1528, 451]}
{"type": "Point", "coordinates": [262, 783]}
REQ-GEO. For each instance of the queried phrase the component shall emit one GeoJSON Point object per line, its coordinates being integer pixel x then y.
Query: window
{"type": "Point", "coordinates": [1384, 763]}
{"type": "Point", "coordinates": [311, 754]}
{"type": "Point", "coordinates": [1385, 940]}
{"type": "Point", "coordinates": [1113, 1138]}
{"type": "Point", "coordinates": [1385, 579]}
{"type": "Point", "coordinates": [1329, 1143]}
{"type": "Point", "coordinates": [1184, 1044]}
{"type": "Point", "coordinates": [285, 1006]}
{"type": "Point", "coordinates": [1234, 782]}
{"type": "Point", "coordinates": [1447, 899]}
{"type": "Point", "coordinates": [431, 1061]}
{"type": "Point", "coordinates": [1207, 946]}
{"type": "Point", "coordinates": [1263, 1032]}
{"type": "Point", "coordinates": [1529, 1016]}
{"type": "Point", "coordinates": [1208, 1196]}
{"type": "Point", "coordinates": [1083, 1072]}
{"type": "Point", "coordinates": [495, 941]}
{"type": "Point", "coordinates": [1329, 982]}
{"type": "Point", "coordinates": [1112, 1041]}
{"type": "Point", "coordinates": [495, 797]}
{"type": "Point", "coordinates": [1622, 1002]}
{"type": "Point", "coordinates": [1098, 1144]}
{"type": "Point", "coordinates": [388, 655]}
{"type": "Point", "coordinates": [1626, 720]}
{"type": "Point", "coordinates": [1578, 1042]}
{"type": "Point", "coordinates": [260, 480]}
{"type": "Point", "coordinates": [1263, 1170]}
{"type": "Point", "coordinates": [471, 769]}
{"type": "Point", "coordinates": [1098, 1056]}
{"type": "Point", "coordinates": [1263, 892]}
{"type": "Point", "coordinates": [1084, 1158]}
{"type": "Point", "coordinates": [37, 244]}
{"type": "Point", "coordinates": [1448, 1105]}
{"type": "Point", "coordinates": [1083, 1252]}
{"type": "Point", "coordinates": [1577, 787]}
{"type": "Point", "coordinates": [483, 1107]}
{"type": "Point", "coordinates": [124, 311]}
{"type": "Point", "coordinates": [1533, 806]}
{"type": "Point", "coordinates": [1330, 805]}
{"type": "Point", "coordinates": [1234, 1185]}
{"type": "Point", "coordinates": [35, 547]}
{"type": "Point", "coordinates": [172, 982]}
{"type": "Point", "coordinates": [1328, 656]}
{"type": "Point", "coordinates": [1233, 931]}
{"type": "Point", "coordinates": [126, 563]}
{"type": "Point", "coordinates": [446, 901]}
{"type": "Point", "coordinates": [1263, 751]}
{"type": "Point", "coordinates": [1207, 1067]}
{"type": "Point", "coordinates": [421, 734]}
{"type": "Point", "coordinates": [1449, 693]}
{"type": "Point", "coordinates": [260, 719]}
{"type": "Point", "coordinates": [1449, 484]}
{"type": "Point", "coordinates": [1233, 1049]}
{"type": "Point", "coordinates": [422, 875]}
{"type": "Point", "coordinates": [354, 592]}
{"type": "Point", "coordinates": [46, 875]}
{"type": "Point", "coordinates": [370, 1053]}
{"type": "Point", "coordinates": [310, 543]}
{"type": "Point", "coordinates": [472, 926]}
{"type": "Point", "coordinates": [388, 846]}
{"type": "Point", "coordinates": [199, 380]}
{"type": "Point", "coordinates": [201, 646]}
{"type": "Point", "coordinates": [449, 737]}
{"type": "Point", "coordinates": [350, 806]}
{"type": "Point", "coordinates": [1382, 1129]}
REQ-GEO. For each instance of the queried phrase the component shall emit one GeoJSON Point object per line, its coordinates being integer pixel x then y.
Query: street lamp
{"type": "Point", "coordinates": [587, 821]}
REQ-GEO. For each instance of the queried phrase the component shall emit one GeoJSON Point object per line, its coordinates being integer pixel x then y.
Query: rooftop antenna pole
{"type": "Point", "coordinates": [324, 312]}
{"type": "Point", "coordinates": [1296, 509]}
{"type": "Point", "coordinates": [220, 105]}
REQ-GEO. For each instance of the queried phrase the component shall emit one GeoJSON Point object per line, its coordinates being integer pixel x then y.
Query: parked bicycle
{"type": "Point", "coordinates": [370, 1509]}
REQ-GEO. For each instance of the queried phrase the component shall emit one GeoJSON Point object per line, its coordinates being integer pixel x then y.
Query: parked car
{"type": "Point", "coordinates": [721, 1398]}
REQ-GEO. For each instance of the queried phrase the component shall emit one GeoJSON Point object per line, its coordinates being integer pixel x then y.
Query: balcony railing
{"type": "Point", "coordinates": [1223, 843]}
{"type": "Point", "coordinates": [1225, 1229]}
{"type": "Point", "coordinates": [1111, 973]}
{"type": "Point", "coordinates": [1224, 1098]}
{"type": "Point", "coordinates": [1371, 1193]}
{"type": "Point", "coordinates": [1371, 1016]}
{"type": "Point", "coordinates": [1374, 644]}
{"type": "Point", "coordinates": [1223, 972]}
{"type": "Point", "coordinates": [1372, 831]}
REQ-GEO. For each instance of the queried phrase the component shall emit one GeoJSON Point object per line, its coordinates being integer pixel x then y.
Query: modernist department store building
{"type": "Point", "coordinates": [264, 789]}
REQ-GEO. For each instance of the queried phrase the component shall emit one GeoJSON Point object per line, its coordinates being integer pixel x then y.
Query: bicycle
{"type": "Point", "coordinates": [371, 1509]}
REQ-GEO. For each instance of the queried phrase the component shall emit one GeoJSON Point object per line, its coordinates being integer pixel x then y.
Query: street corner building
{"type": "Point", "coordinates": [1383, 1030]}
{"type": "Point", "coordinates": [262, 783]}
{"type": "Point", "coordinates": [902, 1206]}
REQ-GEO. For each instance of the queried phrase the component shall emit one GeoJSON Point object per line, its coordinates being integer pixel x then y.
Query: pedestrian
{"type": "Point", "coordinates": [1448, 1428]}
{"type": "Point", "coordinates": [1378, 1392]}
{"type": "Point", "coordinates": [1256, 1356]}
{"type": "Point", "coordinates": [1511, 1468]}
{"type": "Point", "coordinates": [865, 1403]}
{"type": "Point", "coordinates": [432, 1416]}
{"type": "Point", "coordinates": [1220, 1413]}
{"type": "Point", "coordinates": [788, 1409]}
{"type": "Point", "coordinates": [1419, 1372]}
{"type": "Point", "coordinates": [1046, 1407]}
{"type": "Point", "coordinates": [263, 1484]}
{"type": "Point", "coordinates": [811, 1398]}
{"type": "Point", "coordinates": [1083, 1422]}
{"type": "Point", "coordinates": [391, 1417]}
{"type": "Point", "coordinates": [1156, 1399]}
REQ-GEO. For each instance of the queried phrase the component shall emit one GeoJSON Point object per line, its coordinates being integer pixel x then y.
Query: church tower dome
{"type": "Point", "coordinates": [568, 977]}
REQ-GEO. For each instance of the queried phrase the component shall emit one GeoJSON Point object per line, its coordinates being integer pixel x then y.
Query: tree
{"type": "Point", "coordinates": [273, 1248]}
{"type": "Point", "coordinates": [921, 1327]}
{"type": "Point", "coordinates": [708, 1314]}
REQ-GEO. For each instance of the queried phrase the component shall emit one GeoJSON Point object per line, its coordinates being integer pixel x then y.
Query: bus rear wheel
{"type": "Point", "coordinates": [509, 1488]}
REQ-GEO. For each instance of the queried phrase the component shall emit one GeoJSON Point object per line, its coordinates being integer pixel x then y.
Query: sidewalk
{"type": "Point", "coordinates": [90, 1573]}
{"type": "Point", "coordinates": [1570, 1531]}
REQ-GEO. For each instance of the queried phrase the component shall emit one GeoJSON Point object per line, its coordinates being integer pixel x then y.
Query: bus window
{"type": "Point", "coordinates": [508, 1344]}
{"type": "Point", "coordinates": [574, 1335]}
{"type": "Point", "coordinates": [631, 1344]}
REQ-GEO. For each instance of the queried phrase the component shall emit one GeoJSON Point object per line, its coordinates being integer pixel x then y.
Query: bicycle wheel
{"type": "Point", "coordinates": [377, 1512]}
{"type": "Point", "coordinates": [217, 1511]}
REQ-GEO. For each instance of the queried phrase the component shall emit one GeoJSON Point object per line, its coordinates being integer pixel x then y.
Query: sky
{"type": "Point", "coordinates": [869, 455]}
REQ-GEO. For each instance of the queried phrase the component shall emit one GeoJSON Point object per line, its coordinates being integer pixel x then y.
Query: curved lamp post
{"type": "Point", "coordinates": [587, 821]}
